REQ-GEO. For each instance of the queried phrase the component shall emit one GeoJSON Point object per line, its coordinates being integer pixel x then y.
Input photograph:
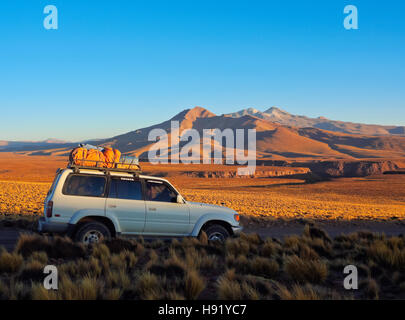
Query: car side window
{"type": "Point", "coordinates": [125, 188]}
{"type": "Point", "coordinates": [159, 191]}
{"type": "Point", "coordinates": [84, 185]}
{"type": "Point", "coordinates": [54, 183]}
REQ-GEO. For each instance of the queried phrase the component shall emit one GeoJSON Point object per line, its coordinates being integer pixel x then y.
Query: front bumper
{"type": "Point", "coordinates": [237, 230]}
{"type": "Point", "coordinates": [48, 226]}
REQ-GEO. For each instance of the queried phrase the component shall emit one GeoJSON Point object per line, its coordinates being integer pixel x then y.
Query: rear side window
{"type": "Point", "coordinates": [125, 188]}
{"type": "Point", "coordinates": [55, 181]}
{"type": "Point", "coordinates": [87, 186]}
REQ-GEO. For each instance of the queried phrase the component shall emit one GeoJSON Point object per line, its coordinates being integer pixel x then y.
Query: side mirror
{"type": "Point", "coordinates": [179, 199]}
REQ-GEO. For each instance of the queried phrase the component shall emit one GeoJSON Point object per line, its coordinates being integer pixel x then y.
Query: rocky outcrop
{"type": "Point", "coordinates": [361, 168]}
{"type": "Point", "coordinates": [310, 171]}
{"type": "Point", "coordinates": [280, 172]}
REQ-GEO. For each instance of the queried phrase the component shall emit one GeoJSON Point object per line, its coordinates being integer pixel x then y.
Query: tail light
{"type": "Point", "coordinates": [236, 217]}
{"type": "Point", "coordinates": [49, 208]}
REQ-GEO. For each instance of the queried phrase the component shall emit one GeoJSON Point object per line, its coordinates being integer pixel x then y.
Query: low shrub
{"type": "Point", "coordinates": [56, 248]}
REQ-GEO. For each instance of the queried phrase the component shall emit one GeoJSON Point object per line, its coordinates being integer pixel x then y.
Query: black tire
{"type": "Point", "coordinates": [216, 232]}
{"type": "Point", "coordinates": [92, 232]}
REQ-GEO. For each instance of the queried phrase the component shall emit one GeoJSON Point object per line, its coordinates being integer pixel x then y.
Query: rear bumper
{"type": "Point", "coordinates": [48, 226]}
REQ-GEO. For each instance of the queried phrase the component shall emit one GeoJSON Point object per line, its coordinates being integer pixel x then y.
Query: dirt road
{"type": "Point", "coordinates": [267, 228]}
{"type": "Point", "coordinates": [280, 229]}
{"type": "Point", "coordinates": [9, 237]}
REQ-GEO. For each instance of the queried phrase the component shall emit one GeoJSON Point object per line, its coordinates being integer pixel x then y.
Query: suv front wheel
{"type": "Point", "coordinates": [92, 232]}
{"type": "Point", "coordinates": [216, 232]}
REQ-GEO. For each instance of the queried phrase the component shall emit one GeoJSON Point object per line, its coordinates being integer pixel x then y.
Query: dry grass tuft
{"type": "Point", "coordinates": [297, 292]}
{"type": "Point", "coordinates": [101, 251]}
{"type": "Point", "coordinates": [390, 254]}
{"type": "Point", "coordinates": [40, 256]}
{"type": "Point", "coordinates": [269, 248]}
{"type": "Point", "coordinates": [264, 267]}
{"type": "Point", "coordinates": [113, 294]}
{"type": "Point", "coordinates": [293, 243]}
{"type": "Point", "coordinates": [173, 295]}
{"type": "Point", "coordinates": [32, 271]}
{"type": "Point", "coordinates": [371, 289]}
{"type": "Point", "coordinates": [10, 262]}
{"type": "Point", "coordinates": [81, 268]}
{"type": "Point", "coordinates": [194, 285]}
{"type": "Point", "coordinates": [315, 232]}
{"type": "Point", "coordinates": [249, 292]}
{"type": "Point", "coordinates": [203, 238]}
{"type": "Point", "coordinates": [253, 238]}
{"type": "Point", "coordinates": [88, 288]}
{"type": "Point", "coordinates": [229, 289]}
{"type": "Point", "coordinates": [125, 259]}
{"type": "Point", "coordinates": [38, 292]}
{"type": "Point", "coordinates": [4, 291]}
{"type": "Point", "coordinates": [259, 266]}
{"type": "Point", "coordinates": [116, 245]}
{"type": "Point", "coordinates": [314, 271]}
{"type": "Point", "coordinates": [148, 286]}
{"type": "Point", "coordinates": [117, 279]}
{"type": "Point", "coordinates": [237, 247]}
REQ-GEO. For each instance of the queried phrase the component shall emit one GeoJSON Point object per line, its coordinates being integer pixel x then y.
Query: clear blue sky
{"type": "Point", "coordinates": [115, 66]}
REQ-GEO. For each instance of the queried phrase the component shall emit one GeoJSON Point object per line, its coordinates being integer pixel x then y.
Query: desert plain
{"type": "Point", "coordinates": [277, 192]}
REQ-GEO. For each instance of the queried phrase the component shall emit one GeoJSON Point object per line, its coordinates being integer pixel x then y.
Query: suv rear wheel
{"type": "Point", "coordinates": [92, 232]}
{"type": "Point", "coordinates": [216, 232]}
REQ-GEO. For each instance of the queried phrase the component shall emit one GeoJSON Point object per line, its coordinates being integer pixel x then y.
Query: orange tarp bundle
{"type": "Point", "coordinates": [95, 158]}
{"type": "Point", "coordinates": [111, 156]}
{"type": "Point", "coordinates": [77, 154]}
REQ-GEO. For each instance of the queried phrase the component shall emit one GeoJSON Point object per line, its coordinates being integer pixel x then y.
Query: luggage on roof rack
{"type": "Point", "coordinates": [89, 157]}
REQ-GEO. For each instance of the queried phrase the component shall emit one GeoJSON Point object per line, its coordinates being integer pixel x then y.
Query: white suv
{"type": "Point", "coordinates": [91, 204]}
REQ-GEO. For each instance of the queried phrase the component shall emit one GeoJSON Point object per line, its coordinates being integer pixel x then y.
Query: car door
{"type": "Point", "coordinates": [125, 203]}
{"type": "Point", "coordinates": [164, 216]}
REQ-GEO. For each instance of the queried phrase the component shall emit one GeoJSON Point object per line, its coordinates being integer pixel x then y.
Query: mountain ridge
{"type": "Point", "coordinates": [274, 139]}
{"type": "Point", "coordinates": [275, 114]}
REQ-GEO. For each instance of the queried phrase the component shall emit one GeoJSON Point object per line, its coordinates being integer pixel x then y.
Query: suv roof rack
{"type": "Point", "coordinates": [105, 167]}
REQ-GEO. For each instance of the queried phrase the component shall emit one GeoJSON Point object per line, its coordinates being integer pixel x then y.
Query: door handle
{"type": "Point", "coordinates": [112, 206]}
{"type": "Point", "coordinates": [152, 209]}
